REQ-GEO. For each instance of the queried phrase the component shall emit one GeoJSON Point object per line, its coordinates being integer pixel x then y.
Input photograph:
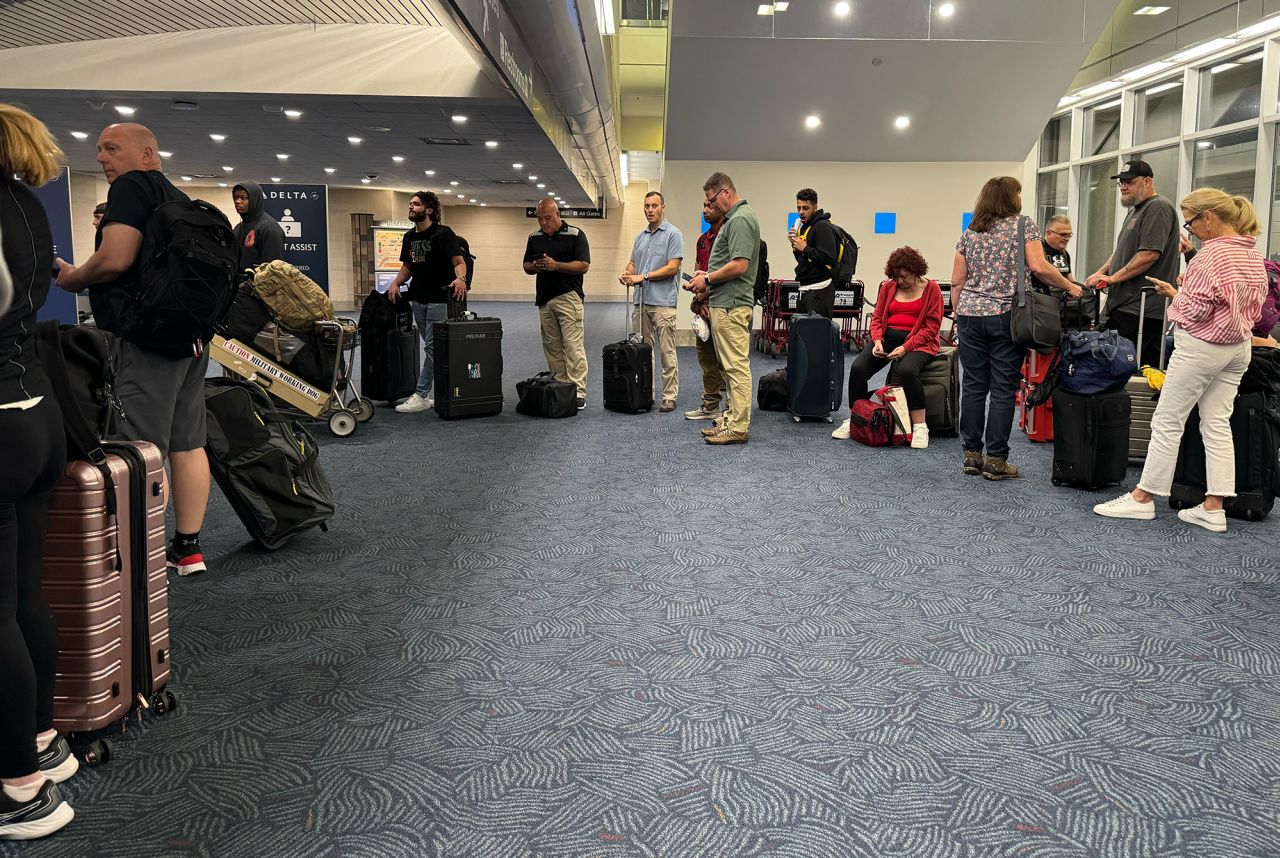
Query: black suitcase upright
{"type": "Point", "coordinates": [940, 379]}
{"type": "Point", "coordinates": [1255, 431]}
{"type": "Point", "coordinates": [1090, 438]}
{"type": "Point", "coordinates": [468, 367]}
{"type": "Point", "coordinates": [390, 355]}
{"type": "Point", "coordinates": [815, 368]}
{"type": "Point", "coordinates": [266, 463]}
{"type": "Point", "coordinates": [628, 370]}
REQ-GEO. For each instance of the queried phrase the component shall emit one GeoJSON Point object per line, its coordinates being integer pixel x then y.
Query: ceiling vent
{"type": "Point", "coordinates": [185, 105]}
{"type": "Point", "coordinates": [445, 141]}
{"type": "Point", "coordinates": [509, 182]}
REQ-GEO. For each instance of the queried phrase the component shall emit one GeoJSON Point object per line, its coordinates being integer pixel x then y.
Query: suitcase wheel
{"type": "Point", "coordinates": [795, 419]}
{"type": "Point", "coordinates": [364, 410]}
{"type": "Point", "coordinates": [1057, 482]}
{"type": "Point", "coordinates": [98, 752]}
{"type": "Point", "coordinates": [164, 702]}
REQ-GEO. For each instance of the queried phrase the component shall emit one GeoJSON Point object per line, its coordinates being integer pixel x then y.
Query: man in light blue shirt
{"type": "Point", "coordinates": [654, 270]}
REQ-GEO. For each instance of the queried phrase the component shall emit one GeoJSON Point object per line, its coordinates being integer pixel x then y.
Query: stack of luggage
{"type": "Point", "coordinates": [275, 314]}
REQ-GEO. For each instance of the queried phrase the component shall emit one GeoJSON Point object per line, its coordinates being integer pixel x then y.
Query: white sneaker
{"type": "Point", "coordinates": [1210, 519]}
{"type": "Point", "coordinates": [415, 403]}
{"type": "Point", "coordinates": [1126, 507]}
{"type": "Point", "coordinates": [702, 414]}
{"type": "Point", "coordinates": [843, 432]}
{"type": "Point", "coordinates": [920, 437]}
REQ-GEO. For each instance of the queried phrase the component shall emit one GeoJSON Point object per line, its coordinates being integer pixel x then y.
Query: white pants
{"type": "Point", "coordinates": [1204, 374]}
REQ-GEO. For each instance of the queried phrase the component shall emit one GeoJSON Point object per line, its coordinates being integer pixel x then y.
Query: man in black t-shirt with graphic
{"type": "Point", "coordinates": [161, 392]}
{"type": "Point", "coordinates": [557, 254]}
{"type": "Point", "coordinates": [1057, 233]}
{"type": "Point", "coordinates": [431, 256]}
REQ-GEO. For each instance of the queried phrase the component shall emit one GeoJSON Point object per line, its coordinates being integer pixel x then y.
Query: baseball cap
{"type": "Point", "coordinates": [100, 208]}
{"type": "Point", "coordinates": [1134, 170]}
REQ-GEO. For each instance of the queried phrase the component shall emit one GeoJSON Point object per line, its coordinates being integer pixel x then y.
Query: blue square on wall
{"type": "Point", "coordinates": [886, 223]}
{"type": "Point", "coordinates": [965, 220]}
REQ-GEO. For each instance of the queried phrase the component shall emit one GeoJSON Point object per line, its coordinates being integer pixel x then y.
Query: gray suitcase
{"type": "Point", "coordinates": [1141, 395]}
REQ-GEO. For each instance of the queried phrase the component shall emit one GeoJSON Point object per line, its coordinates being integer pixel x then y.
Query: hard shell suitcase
{"type": "Point", "coordinates": [468, 367]}
{"type": "Point", "coordinates": [1255, 431]}
{"type": "Point", "coordinates": [1035, 420]}
{"type": "Point", "coordinates": [266, 463]}
{"type": "Point", "coordinates": [1090, 447]}
{"type": "Point", "coordinates": [628, 370]}
{"type": "Point", "coordinates": [1140, 392]}
{"type": "Point", "coordinates": [941, 381]}
{"type": "Point", "coordinates": [815, 368]}
{"type": "Point", "coordinates": [390, 353]}
{"type": "Point", "coordinates": [104, 576]}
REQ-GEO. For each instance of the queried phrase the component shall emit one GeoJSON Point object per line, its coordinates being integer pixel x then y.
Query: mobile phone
{"type": "Point", "coordinates": [687, 277]}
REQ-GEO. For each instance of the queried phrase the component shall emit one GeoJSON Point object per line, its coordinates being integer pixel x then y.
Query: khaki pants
{"type": "Point", "coordinates": [659, 330]}
{"type": "Point", "coordinates": [712, 373]}
{"type": "Point", "coordinates": [562, 340]}
{"type": "Point", "coordinates": [731, 333]}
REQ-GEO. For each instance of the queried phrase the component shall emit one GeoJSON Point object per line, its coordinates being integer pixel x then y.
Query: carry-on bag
{"type": "Point", "coordinates": [390, 356]}
{"type": "Point", "coordinates": [1139, 389]}
{"type": "Point", "coordinates": [468, 364]}
{"type": "Point", "coordinates": [871, 423]}
{"type": "Point", "coordinates": [543, 396]}
{"type": "Point", "coordinates": [628, 368]}
{"type": "Point", "coordinates": [1090, 445]}
{"type": "Point", "coordinates": [1081, 314]}
{"type": "Point", "coordinates": [1255, 432]}
{"type": "Point", "coordinates": [940, 378]}
{"type": "Point", "coordinates": [266, 463]}
{"type": "Point", "coordinates": [815, 368]}
{"type": "Point", "coordinates": [771, 392]}
{"type": "Point", "coordinates": [1035, 319]}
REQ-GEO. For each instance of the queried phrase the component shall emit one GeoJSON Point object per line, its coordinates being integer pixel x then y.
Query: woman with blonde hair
{"type": "Point", "coordinates": [33, 757]}
{"type": "Point", "coordinates": [1214, 312]}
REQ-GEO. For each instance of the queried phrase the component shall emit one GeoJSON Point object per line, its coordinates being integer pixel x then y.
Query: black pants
{"type": "Point", "coordinates": [909, 366]}
{"type": "Point", "coordinates": [31, 458]}
{"type": "Point", "coordinates": [1126, 324]}
{"type": "Point", "coordinates": [821, 301]}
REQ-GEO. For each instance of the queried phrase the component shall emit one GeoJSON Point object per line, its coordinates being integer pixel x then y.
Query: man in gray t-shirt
{"type": "Point", "coordinates": [1146, 247]}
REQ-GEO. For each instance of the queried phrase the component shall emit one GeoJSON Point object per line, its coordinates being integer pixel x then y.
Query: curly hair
{"type": "Point", "coordinates": [906, 259]}
{"type": "Point", "coordinates": [431, 203]}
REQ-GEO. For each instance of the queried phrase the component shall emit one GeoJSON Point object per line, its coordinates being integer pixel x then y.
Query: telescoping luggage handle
{"type": "Point", "coordinates": [1142, 318]}
{"type": "Point", "coordinates": [635, 337]}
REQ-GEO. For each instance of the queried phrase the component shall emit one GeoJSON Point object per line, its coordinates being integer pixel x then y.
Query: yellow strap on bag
{"type": "Point", "coordinates": [1154, 377]}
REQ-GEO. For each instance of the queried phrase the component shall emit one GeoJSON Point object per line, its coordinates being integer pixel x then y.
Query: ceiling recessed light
{"type": "Point", "coordinates": [1204, 144]}
{"type": "Point", "coordinates": [517, 166]}
{"type": "Point", "coordinates": [222, 184]}
{"type": "Point", "coordinates": [484, 205]}
{"type": "Point", "coordinates": [541, 185]}
{"type": "Point", "coordinates": [842, 9]}
{"type": "Point", "coordinates": [533, 178]}
{"type": "Point", "coordinates": [186, 178]}
{"type": "Point", "coordinates": [164, 154]}
{"type": "Point", "coordinates": [472, 200]}
{"type": "Point", "coordinates": [217, 138]}
{"type": "Point", "coordinates": [330, 170]}
{"type": "Point", "coordinates": [276, 179]}
{"type": "Point", "coordinates": [946, 10]}
{"type": "Point", "coordinates": [459, 118]}
{"type": "Point", "coordinates": [455, 184]}
{"type": "Point", "coordinates": [491, 144]}
{"type": "Point", "coordinates": [79, 135]}
{"type": "Point", "coordinates": [1152, 10]}
{"type": "Point", "coordinates": [781, 6]}
{"type": "Point", "coordinates": [812, 121]}
{"type": "Point", "coordinates": [461, 196]}
{"type": "Point", "coordinates": [227, 169]}
{"type": "Point", "coordinates": [365, 181]}
{"type": "Point", "coordinates": [429, 172]}
{"type": "Point", "coordinates": [282, 156]}
{"type": "Point", "coordinates": [125, 111]}
{"type": "Point", "coordinates": [355, 141]}
{"type": "Point", "coordinates": [293, 114]}
{"type": "Point", "coordinates": [397, 158]}
{"type": "Point", "coordinates": [765, 9]}
{"type": "Point", "coordinates": [902, 122]}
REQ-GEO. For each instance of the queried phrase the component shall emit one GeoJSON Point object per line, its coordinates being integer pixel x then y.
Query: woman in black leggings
{"type": "Point", "coordinates": [33, 757]}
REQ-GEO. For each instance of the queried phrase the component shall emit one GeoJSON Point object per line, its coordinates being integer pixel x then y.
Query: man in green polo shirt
{"type": "Point", "coordinates": [730, 282]}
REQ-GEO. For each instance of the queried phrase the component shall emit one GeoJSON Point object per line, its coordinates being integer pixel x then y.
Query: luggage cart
{"type": "Point", "coordinates": [341, 405]}
{"type": "Point", "coordinates": [848, 312]}
{"type": "Point", "coordinates": [775, 320]}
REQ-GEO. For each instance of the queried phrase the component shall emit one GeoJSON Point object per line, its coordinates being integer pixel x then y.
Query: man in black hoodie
{"type": "Point", "coordinates": [816, 245]}
{"type": "Point", "coordinates": [261, 238]}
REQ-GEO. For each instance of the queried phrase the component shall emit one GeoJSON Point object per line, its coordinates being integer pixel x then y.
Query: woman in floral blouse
{"type": "Point", "coordinates": [984, 278]}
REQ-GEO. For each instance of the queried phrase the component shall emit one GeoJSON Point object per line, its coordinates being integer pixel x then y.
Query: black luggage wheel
{"type": "Point", "coordinates": [98, 752]}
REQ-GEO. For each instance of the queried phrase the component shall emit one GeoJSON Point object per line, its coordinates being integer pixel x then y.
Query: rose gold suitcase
{"type": "Point", "coordinates": [105, 579]}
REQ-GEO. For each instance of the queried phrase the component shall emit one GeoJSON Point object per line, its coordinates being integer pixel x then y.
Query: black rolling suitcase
{"type": "Point", "coordinates": [267, 464]}
{"type": "Point", "coordinates": [628, 370]}
{"type": "Point", "coordinates": [1090, 438]}
{"type": "Point", "coordinates": [815, 368]}
{"type": "Point", "coordinates": [1255, 430]}
{"type": "Point", "coordinates": [468, 364]}
{"type": "Point", "coordinates": [940, 379]}
{"type": "Point", "coordinates": [390, 354]}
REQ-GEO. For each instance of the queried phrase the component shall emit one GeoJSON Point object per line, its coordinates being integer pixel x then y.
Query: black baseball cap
{"type": "Point", "coordinates": [1134, 170]}
{"type": "Point", "coordinates": [100, 208]}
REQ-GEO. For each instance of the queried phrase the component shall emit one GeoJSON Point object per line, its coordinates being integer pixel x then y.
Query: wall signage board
{"type": "Point", "coordinates": [580, 214]}
{"type": "Point", "coordinates": [303, 213]}
{"type": "Point", "coordinates": [56, 199]}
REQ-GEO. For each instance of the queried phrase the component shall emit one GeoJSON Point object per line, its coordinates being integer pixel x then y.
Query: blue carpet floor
{"type": "Point", "coordinates": [601, 637]}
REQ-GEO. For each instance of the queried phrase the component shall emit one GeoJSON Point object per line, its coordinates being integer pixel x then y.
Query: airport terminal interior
{"type": "Point", "coordinates": [599, 635]}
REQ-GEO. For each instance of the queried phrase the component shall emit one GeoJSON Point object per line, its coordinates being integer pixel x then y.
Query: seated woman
{"type": "Point", "coordinates": [904, 327]}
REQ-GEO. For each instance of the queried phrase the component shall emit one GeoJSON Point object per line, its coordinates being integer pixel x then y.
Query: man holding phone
{"type": "Point", "coordinates": [557, 254]}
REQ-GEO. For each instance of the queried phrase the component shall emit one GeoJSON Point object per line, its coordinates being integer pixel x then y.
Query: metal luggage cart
{"type": "Point", "coordinates": [848, 312]}
{"type": "Point", "coordinates": [775, 319]}
{"type": "Point", "coordinates": [341, 405]}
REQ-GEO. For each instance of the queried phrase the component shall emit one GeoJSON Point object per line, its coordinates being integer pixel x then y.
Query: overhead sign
{"type": "Point", "coordinates": [580, 214]}
{"type": "Point", "coordinates": [56, 199]}
{"type": "Point", "coordinates": [303, 213]}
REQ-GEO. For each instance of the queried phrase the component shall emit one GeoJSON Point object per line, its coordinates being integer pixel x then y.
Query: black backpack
{"type": "Point", "coordinates": [762, 275]}
{"type": "Point", "coordinates": [466, 255]}
{"type": "Point", "coordinates": [846, 260]}
{"type": "Point", "coordinates": [186, 278]}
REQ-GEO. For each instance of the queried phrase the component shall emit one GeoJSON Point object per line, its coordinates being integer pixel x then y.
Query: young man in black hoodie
{"type": "Point", "coordinates": [261, 238]}
{"type": "Point", "coordinates": [816, 244]}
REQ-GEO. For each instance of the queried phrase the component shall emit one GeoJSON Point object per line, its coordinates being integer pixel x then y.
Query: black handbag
{"type": "Point", "coordinates": [1036, 319]}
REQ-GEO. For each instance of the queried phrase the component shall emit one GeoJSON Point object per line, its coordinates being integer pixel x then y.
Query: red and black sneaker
{"type": "Point", "coordinates": [186, 561]}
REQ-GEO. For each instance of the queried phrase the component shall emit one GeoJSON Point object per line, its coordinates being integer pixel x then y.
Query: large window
{"type": "Point", "coordinates": [1158, 112]}
{"type": "Point", "coordinates": [1102, 128]}
{"type": "Point", "coordinates": [1055, 143]}
{"type": "Point", "coordinates": [1273, 246]}
{"type": "Point", "coordinates": [1231, 91]}
{"type": "Point", "coordinates": [1164, 163]}
{"type": "Point", "coordinates": [1051, 196]}
{"type": "Point", "coordinates": [1227, 162]}
{"type": "Point", "coordinates": [1096, 229]}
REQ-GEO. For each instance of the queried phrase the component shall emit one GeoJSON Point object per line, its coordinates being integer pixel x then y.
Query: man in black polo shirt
{"type": "Point", "coordinates": [161, 392]}
{"type": "Point", "coordinates": [558, 255]}
{"type": "Point", "coordinates": [1147, 247]}
{"type": "Point", "coordinates": [431, 256]}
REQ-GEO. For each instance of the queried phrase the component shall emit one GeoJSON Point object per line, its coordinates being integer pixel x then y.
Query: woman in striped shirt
{"type": "Point", "coordinates": [1214, 312]}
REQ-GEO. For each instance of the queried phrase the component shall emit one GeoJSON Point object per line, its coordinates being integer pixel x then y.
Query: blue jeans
{"type": "Point", "coordinates": [992, 365]}
{"type": "Point", "coordinates": [424, 315]}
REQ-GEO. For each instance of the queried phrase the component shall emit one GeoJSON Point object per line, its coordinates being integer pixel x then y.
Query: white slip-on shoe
{"type": "Point", "coordinates": [1210, 519]}
{"type": "Point", "coordinates": [920, 437]}
{"type": "Point", "coordinates": [1126, 507]}
{"type": "Point", "coordinates": [842, 432]}
{"type": "Point", "coordinates": [415, 403]}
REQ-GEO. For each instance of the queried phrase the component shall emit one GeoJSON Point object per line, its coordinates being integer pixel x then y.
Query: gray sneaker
{"type": "Point", "coordinates": [702, 414]}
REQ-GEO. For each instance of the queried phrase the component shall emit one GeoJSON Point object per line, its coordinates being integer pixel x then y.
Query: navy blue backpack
{"type": "Point", "coordinates": [1096, 362]}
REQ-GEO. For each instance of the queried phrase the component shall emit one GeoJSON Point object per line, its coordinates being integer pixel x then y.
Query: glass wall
{"type": "Point", "coordinates": [1231, 91]}
{"type": "Point", "coordinates": [1228, 162]}
{"type": "Point", "coordinates": [1055, 143]}
{"type": "Point", "coordinates": [1158, 112]}
{"type": "Point", "coordinates": [1051, 196]}
{"type": "Point", "coordinates": [1273, 246]}
{"type": "Point", "coordinates": [1102, 128]}
{"type": "Point", "coordinates": [1164, 163]}
{"type": "Point", "coordinates": [1096, 229]}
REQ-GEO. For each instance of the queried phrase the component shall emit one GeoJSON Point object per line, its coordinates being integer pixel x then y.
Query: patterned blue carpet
{"type": "Point", "coordinates": [600, 637]}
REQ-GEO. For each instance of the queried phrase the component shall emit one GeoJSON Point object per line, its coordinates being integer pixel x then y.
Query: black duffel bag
{"type": "Point", "coordinates": [543, 396]}
{"type": "Point", "coordinates": [771, 395]}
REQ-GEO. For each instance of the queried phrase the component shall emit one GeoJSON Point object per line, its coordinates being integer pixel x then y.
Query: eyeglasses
{"type": "Point", "coordinates": [1066, 235]}
{"type": "Point", "coordinates": [712, 198]}
{"type": "Point", "coordinates": [1187, 225]}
